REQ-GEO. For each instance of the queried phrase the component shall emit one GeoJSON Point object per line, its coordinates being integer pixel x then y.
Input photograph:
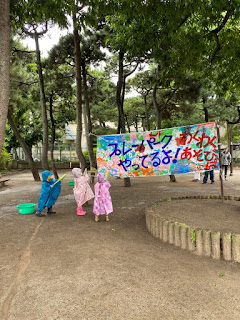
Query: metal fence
{"type": "Point", "coordinates": [63, 152]}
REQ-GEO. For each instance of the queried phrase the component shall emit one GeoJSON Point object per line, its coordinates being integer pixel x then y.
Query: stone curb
{"type": "Point", "coordinates": [209, 243]}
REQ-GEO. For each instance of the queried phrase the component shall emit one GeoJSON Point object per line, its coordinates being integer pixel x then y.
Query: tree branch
{"type": "Point", "coordinates": [79, 8]}
{"type": "Point", "coordinates": [130, 72]}
{"type": "Point", "coordinates": [22, 51]}
{"type": "Point", "coordinates": [171, 95]}
{"type": "Point", "coordinates": [184, 20]}
{"type": "Point", "coordinates": [227, 16]}
{"type": "Point", "coordinates": [39, 34]}
{"type": "Point", "coordinates": [20, 83]}
{"type": "Point", "coordinates": [215, 33]}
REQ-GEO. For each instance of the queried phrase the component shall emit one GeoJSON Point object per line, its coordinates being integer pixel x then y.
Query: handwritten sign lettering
{"type": "Point", "coordinates": [159, 152]}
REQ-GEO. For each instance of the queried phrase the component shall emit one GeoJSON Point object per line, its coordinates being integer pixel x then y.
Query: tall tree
{"type": "Point", "coordinates": [59, 79]}
{"type": "Point", "coordinates": [123, 72]}
{"type": "Point", "coordinates": [78, 72]}
{"type": "Point", "coordinates": [4, 66]}
{"type": "Point", "coordinates": [34, 13]}
{"type": "Point", "coordinates": [91, 54]}
{"type": "Point", "coordinates": [21, 103]}
{"type": "Point", "coordinates": [33, 32]}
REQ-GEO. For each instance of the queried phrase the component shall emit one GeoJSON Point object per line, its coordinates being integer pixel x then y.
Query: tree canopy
{"type": "Point", "coordinates": [189, 51]}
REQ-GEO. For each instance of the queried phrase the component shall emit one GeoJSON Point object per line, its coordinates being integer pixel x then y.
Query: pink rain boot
{"type": "Point", "coordinates": [80, 211]}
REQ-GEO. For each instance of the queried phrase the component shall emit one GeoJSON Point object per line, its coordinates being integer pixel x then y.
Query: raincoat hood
{"type": "Point", "coordinates": [77, 172]}
{"type": "Point", "coordinates": [101, 177]}
{"type": "Point", "coordinates": [46, 175]}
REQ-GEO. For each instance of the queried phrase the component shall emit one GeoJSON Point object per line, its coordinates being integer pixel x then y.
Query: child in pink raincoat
{"type": "Point", "coordinates": [82, 191]}
{"type": "Point", "coordinates": [102, 201]}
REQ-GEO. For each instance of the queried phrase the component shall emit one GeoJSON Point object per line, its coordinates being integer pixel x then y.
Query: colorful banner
{"type": "Point", "coordinates": [159, 152]}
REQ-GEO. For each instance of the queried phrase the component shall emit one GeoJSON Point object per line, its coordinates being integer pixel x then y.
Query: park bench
{"type": "Point", "coordinates": [3, 180]}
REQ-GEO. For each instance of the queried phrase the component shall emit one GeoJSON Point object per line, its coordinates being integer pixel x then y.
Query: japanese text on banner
{"type": "Point", "coordinates": [159, 152]}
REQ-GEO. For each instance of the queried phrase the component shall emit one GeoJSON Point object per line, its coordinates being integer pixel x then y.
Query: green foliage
{"type": "Point", "coordinates": [181, 37]}
{"type": "Point", "coordinates": [102, 92]}
{"type": "Point", "coordinates": [134, 111]}
{"type": "Point", "coordinates": [24, 101]}
{"type": "Point", "coordinates": [32, 12]}
{"type": "Point", "coordinates": [193, 235]}
{"type": "Point", "coordinates": [85, 154]}
{"type": "Point", "coordinates": [4, 159]}
{"type": "Point", "coordinates": [236, 133]}
{"type": "Point", "coordinates": [177, 38]}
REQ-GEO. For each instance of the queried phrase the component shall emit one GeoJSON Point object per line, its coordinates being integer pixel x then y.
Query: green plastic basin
{"type": "Point", "coordinates": [26, 208]}
{"type": "Point", "coordinates": [71, 183]}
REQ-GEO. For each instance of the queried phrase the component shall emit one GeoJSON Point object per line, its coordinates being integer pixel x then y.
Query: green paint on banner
{"type": "Point", "coordinates": [103, 144]}
{"type": "Point", "coordinates": [139, 136]}
{"type": "Point", "coordinates": [127, 137]}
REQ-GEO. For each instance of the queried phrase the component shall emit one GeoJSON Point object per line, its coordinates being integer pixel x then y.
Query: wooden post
{"type": "Point", "coordinates": [127, 182]}
{"type": "Point", "coordinates": [220, 162]}
{"type": "Point", "coordinates": [231, 150]}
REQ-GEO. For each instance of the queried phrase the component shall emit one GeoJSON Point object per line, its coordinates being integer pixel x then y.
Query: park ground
{"type": "Point", "coordinates": [66, 266]}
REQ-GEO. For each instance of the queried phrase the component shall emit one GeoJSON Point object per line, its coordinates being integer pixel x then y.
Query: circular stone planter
{"type": "Point", "coordinates": [214, 242]}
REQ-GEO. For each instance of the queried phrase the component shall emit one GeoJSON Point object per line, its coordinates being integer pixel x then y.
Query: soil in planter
{"type": "Point", "coordinates": [210, 214]}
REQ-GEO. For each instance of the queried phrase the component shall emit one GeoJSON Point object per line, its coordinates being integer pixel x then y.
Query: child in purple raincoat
{"type": "Point", "coordinates": [102, 202]}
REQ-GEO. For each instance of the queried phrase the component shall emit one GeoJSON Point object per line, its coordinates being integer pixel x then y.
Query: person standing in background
{"type": "Point", "coordinates": [196, 176]}
{"type": "Point", "coordinates": [226, 160]}
{"type": "Point", "coordinates": [206, 174]}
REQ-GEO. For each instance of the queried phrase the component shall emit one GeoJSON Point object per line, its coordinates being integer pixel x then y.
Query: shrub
{"type": "Point", "coordinates": [4, 159]}
{"type": "Point", "coordinates": [85, 153]}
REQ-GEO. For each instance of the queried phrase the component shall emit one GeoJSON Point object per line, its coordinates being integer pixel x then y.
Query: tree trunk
{"type": "Point", "coordinates": [120, 101]}
{"type": "Point", "coordinates": [78, 94]}
{"type": "Point", "coordinates": [159, 121]}
{"type": "Point", "coordinates": [88, 120]}
{"type": "Point", "coordinates": [206, 115]}
{"type": "Point", "coordinates": [146, 113]}
{"type": "Point", "coordinates": [44, 159]}
{"type": "Point", "coordinates": [127, 182]}
{"type": "Point", "coordinates": [172, 178]}
{"type": "Point", "coordinates": [230, 147]}
{"type": "Point", "coordinates": [120, 94]}
{"type": "Point", "coordinates": [53, 135]}
{"type": "Point", "coordinates": [4, 66]}
{"type": "Point", "coordinates": [25, 147]}
{"type": "Point", "coordinates": [136, 124]}
{"type": "Point", "coordinates": [157, 108]}
{"type": "Point", "coordinates": [128, 126]}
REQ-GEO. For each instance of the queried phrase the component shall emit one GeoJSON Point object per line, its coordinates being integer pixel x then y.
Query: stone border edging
{"type": "Point", "coordinates": [201, 242]}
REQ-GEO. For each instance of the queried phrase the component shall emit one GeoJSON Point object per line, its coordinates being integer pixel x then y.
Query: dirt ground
{"type": "Point", "coordinates": [69, 267]}
{"type": "Point", "coordinates": [213, 215]}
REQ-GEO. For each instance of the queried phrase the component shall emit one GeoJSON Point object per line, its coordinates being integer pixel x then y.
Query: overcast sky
{"type": "Point", "coordinates": [50, 39]}
{"type": "Point", "coordinates": [47, 41]}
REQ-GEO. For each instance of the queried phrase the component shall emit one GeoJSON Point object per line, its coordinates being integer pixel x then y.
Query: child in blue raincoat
{"type": "Point", "coordinates": [49, 193]}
